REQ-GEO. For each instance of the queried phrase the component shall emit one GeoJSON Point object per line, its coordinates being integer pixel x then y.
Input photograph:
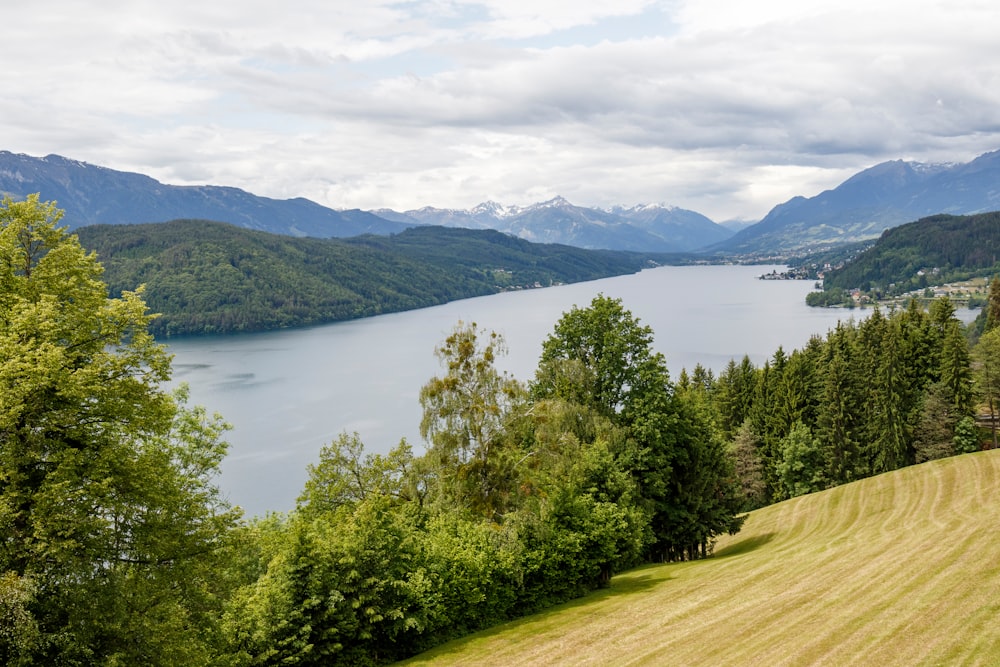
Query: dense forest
{"type": "Point", "coordinates": [119, 548]}
{"type": "Point", "coordinates": [931, 251]}
{"type": "Point", "coordinates": [208, 277]}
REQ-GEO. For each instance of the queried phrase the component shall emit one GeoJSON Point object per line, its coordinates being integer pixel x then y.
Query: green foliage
{"type": "Point", "coordinates": [465, 418]}
{"type": "Point", "coordinates": [341, 590]}
{"type": "Point", "coordinates": [801, 467]}
{"type": "Point", "coordinates": [345, 475]}
{"type": "Point", "coordinates": [987, 376]}
{"type": "Point", "coordinates": [685, 482]}
{"type": "Point", "coordinates": [113, 529]}
{"type": "Point", "coordinates": [966, 440]}
{"type": "Point", "coordinates": [748, 467]}
{"type": "Point", "coordinates": [19, 634]}
{"type": "Point", "coordinates": [206, 277]}
{"type": "Point", "coordinates": [613, 347]}
{"type": "Point", "coordinates": [833, 296]}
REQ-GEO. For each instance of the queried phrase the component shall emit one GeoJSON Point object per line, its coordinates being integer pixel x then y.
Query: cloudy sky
{"type": "Point", "coordinates": [726, 107]}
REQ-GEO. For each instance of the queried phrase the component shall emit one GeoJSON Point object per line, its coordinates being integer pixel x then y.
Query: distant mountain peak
{"type": "Point", "coordinates": [639, 208]}
{"type": "Point", "coordinates": [556, 202]}
{"type": "Point", "coordinates": [493, 209]}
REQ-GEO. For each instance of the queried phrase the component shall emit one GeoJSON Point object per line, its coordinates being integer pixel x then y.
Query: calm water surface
{"type": "Point", "coordinates": [287, 393]}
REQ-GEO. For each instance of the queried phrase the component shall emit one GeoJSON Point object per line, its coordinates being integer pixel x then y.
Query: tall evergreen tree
{"type": "Point", "coordinates": [836, 425]}
{"type": "Point", "coordinates": [987, 374]}
{"type": "Point", "coordinates": [992, 309]}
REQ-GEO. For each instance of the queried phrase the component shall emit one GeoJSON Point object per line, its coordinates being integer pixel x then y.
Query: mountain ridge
{"type": "Point", "coordinates": [871, 201]}
{"type": "Point", "coordinates": [641, 227]}
{"type": "Point", "coordinates": [877, 198]}
{"type": "Point", "coordinates": [92, 194]}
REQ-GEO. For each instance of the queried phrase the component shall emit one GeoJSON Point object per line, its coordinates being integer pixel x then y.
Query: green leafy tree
{"type": "Point", "coordinates": [615, 349]}
{"type": "Point", "coordinates": [966, 436]}
{"type": "Point", "coordinates": [466, 413]}
{"type": "Point", "coordinates": [345, 475]}
{"type": "Point", "coordinates": [18, 628]}
{"type": "Point", "coordinates": [668, 440]}
{"type": "Point", "coordinates": [110, 518]}
{"type": "Point", "coordinates": [801, 469]}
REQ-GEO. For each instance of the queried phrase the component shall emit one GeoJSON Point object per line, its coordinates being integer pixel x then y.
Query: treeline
{"type": "Point", "coordinates": [205, 277]}
{"type": "Point", "coordinates": [931, 251]}
{"type": "Point", "coordinates": [872, 396]}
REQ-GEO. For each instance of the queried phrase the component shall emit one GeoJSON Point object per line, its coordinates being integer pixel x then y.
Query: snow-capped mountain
{"type": "Point", "coordinates": [654, 228]}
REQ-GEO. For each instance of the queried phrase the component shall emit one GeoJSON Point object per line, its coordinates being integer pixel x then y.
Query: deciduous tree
{"type": "Point", "coordinates": [108, 512]}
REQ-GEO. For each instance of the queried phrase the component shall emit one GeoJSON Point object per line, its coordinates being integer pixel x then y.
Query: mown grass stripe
{"type": "Point", "coordinates": [899, 569]}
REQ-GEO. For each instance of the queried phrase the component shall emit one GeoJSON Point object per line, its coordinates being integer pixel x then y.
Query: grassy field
{"type": "Point", "coordinates": [900, 569]}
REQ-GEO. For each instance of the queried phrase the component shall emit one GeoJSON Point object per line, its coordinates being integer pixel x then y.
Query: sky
{"type": "Point", "coordinates": [725, 107]}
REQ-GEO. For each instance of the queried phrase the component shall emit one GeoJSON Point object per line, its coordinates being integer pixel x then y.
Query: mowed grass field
{"type": "Point", "coordinates": [900, 569]}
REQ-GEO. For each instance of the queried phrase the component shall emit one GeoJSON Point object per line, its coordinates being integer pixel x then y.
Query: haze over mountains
{"type": "Point", "coordinates": [875, 199]}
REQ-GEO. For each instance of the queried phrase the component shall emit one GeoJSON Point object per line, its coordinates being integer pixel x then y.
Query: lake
{"type": "Point", "coordinates": [287, 393]}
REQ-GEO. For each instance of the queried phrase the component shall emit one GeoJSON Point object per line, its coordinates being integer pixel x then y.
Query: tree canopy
{"type": "Point", "coordinates": [110, 522]}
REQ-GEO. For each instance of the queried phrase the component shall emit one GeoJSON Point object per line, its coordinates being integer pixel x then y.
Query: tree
{"type": "Point", "coordinates": [987, 373]}
{"type": "Point", "coordinates": [669, 450]}
{"type": "Point", "coordinates": [346, 475]}
{"type": "Point", "coordinates": [936, 431]}
{"type": "Point", "coordinates": [464, 420]}
{"type": "Point", "coordinates": [801, 469]}
{"type": "Point", "coordinates": [992, 309]}
{"type": "Point", "coordinates": [615, 349]}
{"type": "Point", "coordinates": [838, 411]}
{"type": "Point", "coordinates": [735, 392]}
{"type": "Point", "coordinates": [955, 369]}
{"type": "Point", "coordinates": [112, 524]}
{"type": "Point", "coordinates": [748, 468]}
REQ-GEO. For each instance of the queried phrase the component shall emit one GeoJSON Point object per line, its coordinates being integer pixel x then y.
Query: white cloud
{"type": "Point", "coordinates": [721, 106]}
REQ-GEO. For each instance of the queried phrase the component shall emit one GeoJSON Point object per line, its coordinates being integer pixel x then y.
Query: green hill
{"type": "Point", "coordinates": [931, 251]}
{"type": "Point", "coordinates": [209, 277]}
{"type": "Point", "coordinates": [899, 569]}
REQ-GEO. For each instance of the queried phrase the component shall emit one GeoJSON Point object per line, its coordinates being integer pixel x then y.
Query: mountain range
{"type": "Point", "coordinates": [89, 194]}
{"type": "Point", "coordinates": [650, 228]}
{"type": "Point", "coordinates": [862, 207]}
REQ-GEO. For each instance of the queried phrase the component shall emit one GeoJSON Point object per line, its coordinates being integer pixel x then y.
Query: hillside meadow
{"type": "Point", "coordinates": [898, 569]}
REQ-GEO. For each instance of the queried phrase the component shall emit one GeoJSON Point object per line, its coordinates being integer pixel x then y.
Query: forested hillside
{"type": "Point", "coordinates": [930, 251]}
{"type": "Point", "coordinates": [207, 277]}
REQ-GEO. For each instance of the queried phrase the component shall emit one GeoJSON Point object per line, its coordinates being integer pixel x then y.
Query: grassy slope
{"type": "Point", "coordinates": [900, 569]}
